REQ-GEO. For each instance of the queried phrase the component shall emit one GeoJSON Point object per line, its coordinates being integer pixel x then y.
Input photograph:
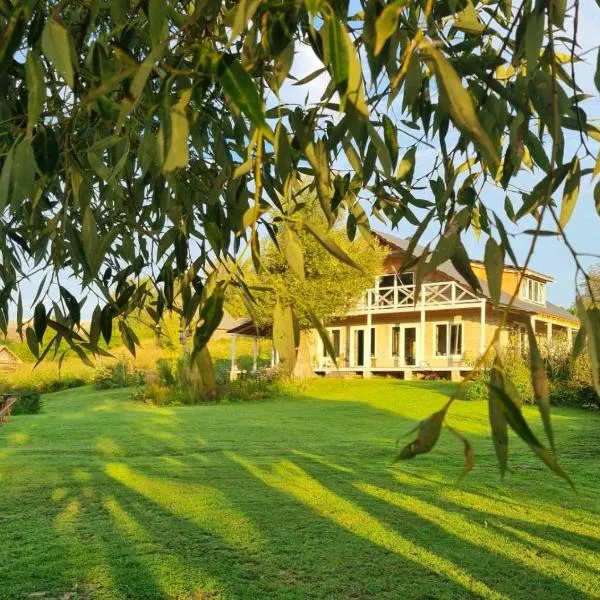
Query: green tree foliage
{"type": "Point", "coordinates": [327, 287]}
{"type": "Point", "coordinates": [143, 144]}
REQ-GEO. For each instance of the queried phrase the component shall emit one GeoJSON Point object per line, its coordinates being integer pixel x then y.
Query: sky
{"type": "Point", "coordinates": [551, 255]}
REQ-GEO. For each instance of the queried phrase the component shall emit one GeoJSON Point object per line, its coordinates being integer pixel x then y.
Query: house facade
{"type": "Point", "coordinates": [443, 328]}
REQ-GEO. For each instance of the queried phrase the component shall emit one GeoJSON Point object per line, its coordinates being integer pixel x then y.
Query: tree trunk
{"type": "Point", "coordinates": [304, 367]}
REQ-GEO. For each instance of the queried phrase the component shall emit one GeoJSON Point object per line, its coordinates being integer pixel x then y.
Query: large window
{"type": "Point", "coordinates": [448, 339]}
{"type": "Point", "coordinates": [534, 291]}
{"type": "Point", "coordinates": [395, 341]}
{"type": "Point", "coordinates": [335, 335]}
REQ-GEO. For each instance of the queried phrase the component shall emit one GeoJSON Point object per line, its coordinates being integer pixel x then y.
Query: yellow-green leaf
{"type": "Point", "coordinates": [283, 336]}
{"type": "Point", "coordinates": [570, 193]}
{"type": "Point", "coordinates": [292, 251]}
{"type": "Point", "coordinates": [387, 24]}
{"type": "Point", "coordinates": [539, 380]}
{"type": "Point", "coordinates": [468, 20]}
{"type": "Point", "coordinates": [428, 434]}
{"type": "Point", "coordinates": [460, 106]}
{"type": "Point", "coordinates": [57, 46]}
{"type": "Point", "coordinates": [178, 150]}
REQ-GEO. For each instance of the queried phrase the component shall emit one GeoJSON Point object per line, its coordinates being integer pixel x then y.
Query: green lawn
{"type": "Point", "coordinates": [101, 497]}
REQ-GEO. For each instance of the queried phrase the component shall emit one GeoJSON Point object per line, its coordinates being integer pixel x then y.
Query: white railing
{"type": "Point", "coordinates": [402, 297]}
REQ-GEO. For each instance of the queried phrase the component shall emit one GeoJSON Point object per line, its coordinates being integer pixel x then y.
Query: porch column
{"type": "Point", "coordinates": [570, 337]}
{"type": "Point", "coordinates": [549, 331]}
{"type": "Point", "coordinates": [481, 329]}
{"type": "Point", "coordinates": [367, 367]}
{"type": "Point", "coordinates": [254, 354]}
{"type": "Point", "coordinates": [272, 355]}
{"type": "Point", "coordinates": [233, 371]}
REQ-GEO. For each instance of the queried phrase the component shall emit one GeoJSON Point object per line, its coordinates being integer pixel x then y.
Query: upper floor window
{"type": "Point", "coordinates": [396, 279]}
{"type": "Point", "coordinates": [534, 291]}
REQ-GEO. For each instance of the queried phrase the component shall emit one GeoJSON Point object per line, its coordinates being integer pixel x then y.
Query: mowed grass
{"type": "Point", "coordinates": [295, 497]}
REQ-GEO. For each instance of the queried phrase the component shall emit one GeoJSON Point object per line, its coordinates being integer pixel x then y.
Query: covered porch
{"type": "Point", "coordinates": [246, 328]}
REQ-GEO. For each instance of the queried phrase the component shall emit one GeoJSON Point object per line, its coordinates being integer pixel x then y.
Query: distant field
{"type": "Point", "coordinates": [290, 498]}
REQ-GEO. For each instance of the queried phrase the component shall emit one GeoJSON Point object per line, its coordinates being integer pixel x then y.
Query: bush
{"type": "Point", "coordinates": [516, 368]}
{"type": "Point", "coordinates": [28, 400]}
{"type": "Point", "coordinates": [29, 403]}
{"type": "Point", "coordinates": [117, 375]}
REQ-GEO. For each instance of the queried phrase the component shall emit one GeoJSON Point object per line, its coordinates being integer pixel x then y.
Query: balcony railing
{"type": "Point", "coordinates": [402, 297]}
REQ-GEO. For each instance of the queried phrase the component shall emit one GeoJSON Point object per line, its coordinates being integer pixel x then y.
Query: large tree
{"type": "Point", "coordinates": [144, 143]}
{"type": "Point", "coordinates": [298, 271]}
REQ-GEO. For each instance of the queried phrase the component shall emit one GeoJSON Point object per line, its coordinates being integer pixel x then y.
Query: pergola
{"type": "Point", "coordinates": [246, 327]}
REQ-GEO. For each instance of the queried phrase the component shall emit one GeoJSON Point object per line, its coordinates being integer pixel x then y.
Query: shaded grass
{"type": "Point", "coordinates": [293, 498]}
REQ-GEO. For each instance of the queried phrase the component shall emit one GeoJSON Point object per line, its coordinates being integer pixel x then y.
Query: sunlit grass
{"type": "Point", "coordinates": [293, 498]}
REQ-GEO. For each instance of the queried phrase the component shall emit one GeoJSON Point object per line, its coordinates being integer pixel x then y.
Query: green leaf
{"type": "Point", "coordinates": [460, 261]}
{"type": "Point", "coordinates": [240, 88]}
{"type": "Point", "coordinates": [40, 321]}
{"type": "Point", "coordinates": [128, 336]}
{"type": "Point", "coordinates": [597, 74]}
{"type": "Point", "coordinates": [284, 338]}
{"type": "Point", "coordinates": [89, 235]}
{"type": "Point", "coordinates": [539, 380]}
{"type": "Point", "coordinates": [292, 250]}
{"type": "Point", "coordinates": [515, 419]}
{"type": "Point", "coordinates": [157, 15]}
{"type": "Point", "coordinates": [95, 326]}
{"type": "Point", "coordinates": [283, 159]}
{"type": "Point", "coordinates": [497, 419]}
{"type": "Point", "coordinates": [36, 90]}
{"type": "Point", "coordinates": [330, 245]}
{"type": "Point", "coordinates": [597, 197]}
{"type": "Point", "coordinates": [570, 193]}
{"type": "Point", "coordinates": [57, 46]}
{"type": "Point", "coordinates": [211, 314]}
{"type": "Point", "coordinates": [324, 335]}
{"type": "Point", "coordinates": [5, 179]}
{"type": "Point", "coordinates": [494, 268]}
{"type": "Point", "coordinates": [177, 155]}
{"type": "Point", "coordinates": [590, 319]}
{"type": "Point", "coordinates": [345, 67]}
{"type": "Point", "coordinates": [428, 434]}
{"type": "Point", "coordinates": [106, 319]}
{"type": "Point", "coordinates": [460, 107]}
{"type": "Point", "coordinates": [71, 304]}
{"type": "Point", "coordinates": [387, 24]}
{"type": "Point", "coordinates": [243, 12]}
{"type": "Point", "coordinates": [32, 342]}
{"type": "Point", "coordinates": [534, 36]}
{"type": "Point", "coordinates": [390, 135]}
{"type": "Point", "coordinates": [382, 150]}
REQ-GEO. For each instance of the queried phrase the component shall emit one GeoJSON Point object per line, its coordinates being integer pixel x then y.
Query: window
{"type": "Point", "coordinates": [373, 348]}
{"type": "Point", "coordinates": [396, 279]}
{"type": "Point", "coordinates": [395, 341]}
{"type": "Point", "coordinates": [441, 340]}
{"type": "Point", "coordinates": [534, 291]}
{"type": "Point", "coordinates": [407, 278]}
{"type": "Point", "coordinates": [335, 340]}
{"type": "Point", "coordinates": [448, 339]}
{"type": "Point", "coordinates": [456, 338]}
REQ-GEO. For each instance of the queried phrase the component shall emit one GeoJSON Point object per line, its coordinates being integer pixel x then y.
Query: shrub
{"type": "Point", "coordinates": [117, 375]}
{"type": "Point", "coordinates": [29, 402]}
{"type": "Point", "coordinates": [516, 368]}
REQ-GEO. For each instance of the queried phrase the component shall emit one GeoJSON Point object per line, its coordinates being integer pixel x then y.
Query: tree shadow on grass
{"type": "Point", "coordinates": [292, 505]}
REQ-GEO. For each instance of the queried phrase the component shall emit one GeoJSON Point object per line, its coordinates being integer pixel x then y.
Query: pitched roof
{"type": "Point", "coordinates": [448, 269]}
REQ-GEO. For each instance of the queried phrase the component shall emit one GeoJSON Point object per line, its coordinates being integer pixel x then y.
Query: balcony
{"type": "Point", "coordinates": [401, 298]}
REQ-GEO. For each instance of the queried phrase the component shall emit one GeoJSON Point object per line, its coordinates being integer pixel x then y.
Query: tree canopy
{"type": "Point", "coordinates": [143, 144]}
